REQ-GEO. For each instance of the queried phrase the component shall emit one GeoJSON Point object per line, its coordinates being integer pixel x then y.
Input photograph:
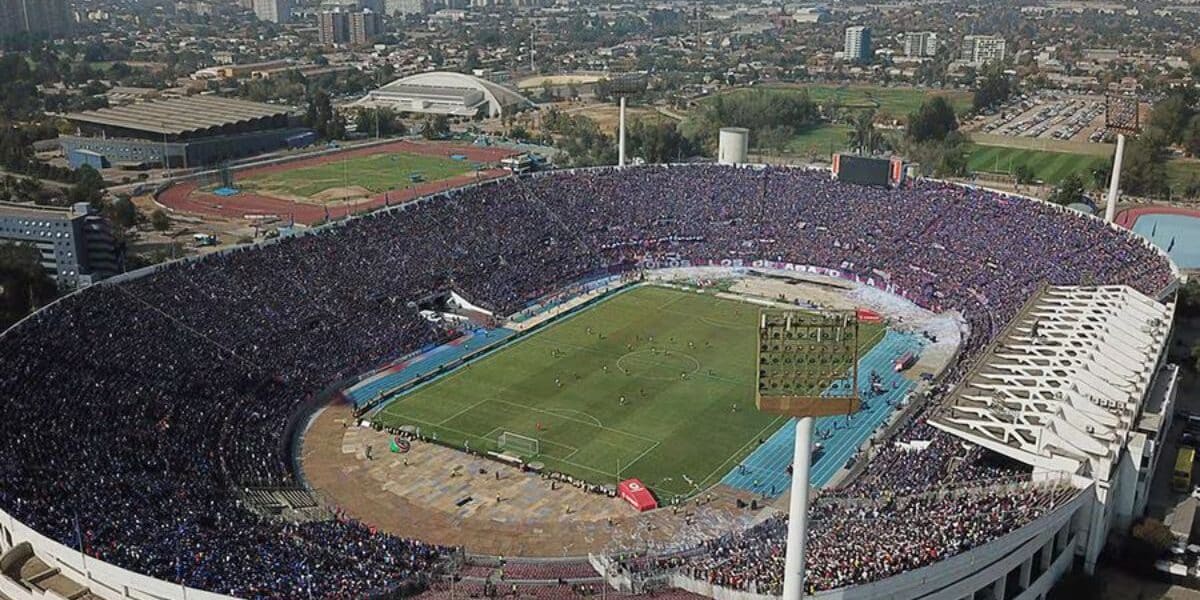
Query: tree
{"type": "Point", "coordinates": [89, 187]}
{"type": "Point", "coordinates": [1144, 172]}
{"type": "Point", "coordinates": [159, 220]}
{"type": "Point", "coordinates": [382, 121]}
{"type": "Point", "coordinates": [1147, 541]}
{"type": "Point", "coordinates": [658, 142]}
{"type": "Point", "coordinates": [1172, 115]}
{"type": "Point", "coordinates": [122, 213]}
{"type": "Point", "coordinates": [934, 120]}
{"type": "Point", "coordinates": [756, 109]}
{"type": "Point", "coordinates": [1024, 174]}
{"type": "Point", "coordinates": [863, 137]}
{"type": "Point", "coordinates": [1069, 190]}
{"type": "Point", "coordinates": [1191, 137]}
{"type": "Point", "coordinates": [436, 128]}
{"type": "Point", "coordinates": [994, 88]}
{"type": "Point", "coordinates": [24, 284]}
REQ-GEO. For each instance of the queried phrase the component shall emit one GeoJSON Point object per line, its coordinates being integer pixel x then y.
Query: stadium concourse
{"type": "Point", "coordinates": [138, 411]}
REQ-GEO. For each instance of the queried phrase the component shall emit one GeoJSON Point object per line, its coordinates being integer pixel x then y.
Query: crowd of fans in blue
{"type": "Point", "coordinates": [134, 411]}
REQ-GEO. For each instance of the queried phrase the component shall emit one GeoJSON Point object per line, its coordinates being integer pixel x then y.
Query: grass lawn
{"type": "Point", "coordinates": [820, 141]}
{"type": "Point", "coordinates": [563, 386]}
{"type": "Point", "coordinates": [1050, 167]}
{"type": "Point", "coordinates": [377, 173]}
{"type": "Point", "coordinates": [1181, 172]}
{"type": "Point", "coordinates": [896, 102]}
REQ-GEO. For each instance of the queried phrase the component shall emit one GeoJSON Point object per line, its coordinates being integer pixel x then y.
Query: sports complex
{"type": "Point", "coordinates": [544, 386]}
{"type": "Point", "coordinates": [335, 183]}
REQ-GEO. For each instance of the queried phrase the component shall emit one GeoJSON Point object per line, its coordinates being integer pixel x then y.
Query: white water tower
{"type": "Point", "coordinates": [734, 145]}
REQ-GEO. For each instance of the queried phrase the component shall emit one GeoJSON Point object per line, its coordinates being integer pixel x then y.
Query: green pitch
{"type": "Point", "coordinates": [377, 173]}
{"type": "Point", "coordinates": [683, 362]}
{"type": "Point", "coordinates": [1050, 167]}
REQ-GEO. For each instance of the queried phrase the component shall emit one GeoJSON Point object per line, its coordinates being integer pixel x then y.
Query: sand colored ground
{"type": "Point", "coordinates": [416, 494]}
{"type": "Point", "coordinates": [555, 80]}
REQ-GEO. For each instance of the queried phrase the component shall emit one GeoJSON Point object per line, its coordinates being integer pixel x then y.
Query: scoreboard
{"type": "Point", "coordinates": [864, 170]}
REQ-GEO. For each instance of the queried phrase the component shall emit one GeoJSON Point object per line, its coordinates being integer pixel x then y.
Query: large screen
{"type": "Point", "coordinates": [863, 170]}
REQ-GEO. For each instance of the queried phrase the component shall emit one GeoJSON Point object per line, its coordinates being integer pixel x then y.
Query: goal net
{"type": "Point", "coordinates": [523, 445]}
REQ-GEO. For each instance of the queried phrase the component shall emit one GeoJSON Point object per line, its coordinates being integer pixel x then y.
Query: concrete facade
{"type": "Point", "coordinates": [75, 245]}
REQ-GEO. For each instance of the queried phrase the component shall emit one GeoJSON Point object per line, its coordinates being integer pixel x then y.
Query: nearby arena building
{"type": "Point", "coordinates": [179, 132]}
{"type": "Point", "coordinates": [445, 93]}
{"type": "Point", "coordinates": [1018, 460]}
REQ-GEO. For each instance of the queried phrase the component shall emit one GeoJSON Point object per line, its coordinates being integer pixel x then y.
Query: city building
{"type": "Point", "coordinates": [405, 7]}
{"type": "Point", "coordinates": [445, 93]}
{"type": "Point", "coordinates": [858, 44]}
{"type": "Point", "coordinates": [275, 11]}
{"type": "Point", "coordinates": [183, 132]}
{"type": "Point", "coordinates": [348, 27]}
{"type": "Point", "coordinates": [45, 17]}
{"type": "Point", "coordinates": [75, 243]}
{"type": "Point", "coordinates": [920, 44]}
{"type": "Point", "coordinates": [364, 26]}
{"type": "Point", "coordinates": [981, 49]}
{"type": "Point", "coordinates": [331, 27]}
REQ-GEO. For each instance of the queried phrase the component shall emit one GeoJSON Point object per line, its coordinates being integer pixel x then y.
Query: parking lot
{"type": "Point", "coordinates": [1048, 115]}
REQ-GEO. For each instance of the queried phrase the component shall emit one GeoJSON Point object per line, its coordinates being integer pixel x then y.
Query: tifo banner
{"type": "Point", "coordinates": [636, 494]}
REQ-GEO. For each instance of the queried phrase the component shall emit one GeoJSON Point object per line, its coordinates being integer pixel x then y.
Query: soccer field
{"type": "Point", "coordinates": [682, 361]}
{"type": "Point", "coordinates": [375, 173]}
{"type": "Point", "coordinates": [1050, 167]}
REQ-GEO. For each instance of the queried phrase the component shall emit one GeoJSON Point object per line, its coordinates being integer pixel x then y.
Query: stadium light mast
{"type": "Point", "coordinates": [1121, 114]}
{"type": "Point", "coordinates": [622, 86]}
{"type": "Point", "coordinates": [787, 386]}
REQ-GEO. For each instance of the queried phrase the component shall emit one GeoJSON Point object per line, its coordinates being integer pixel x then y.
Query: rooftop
{"type": "Point", "coordinates": [1062, 387]}
{"type": "Point", "coordinates": [178, 116]}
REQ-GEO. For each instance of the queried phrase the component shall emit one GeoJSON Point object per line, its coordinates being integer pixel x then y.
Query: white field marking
{"type": "Point", "coordinates": [578, 412]}
{"type": "Point", "coordinates": [617, 431]}
{"type": "Point", "coordinates": [462, 412]}
{"type": "Point", "coordinates": [639, 457]}
{"type": "Point", "coordinates": [656, 363]}
{"type": "Point", "coordinates": [740, 450]}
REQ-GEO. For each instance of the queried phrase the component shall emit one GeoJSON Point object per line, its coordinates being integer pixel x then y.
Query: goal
{"type": "Point", "coordinates": [526, 446]}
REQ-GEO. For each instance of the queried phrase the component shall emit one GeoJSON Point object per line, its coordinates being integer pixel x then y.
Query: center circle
{"type": "Point", "coordinates": [666, 365]}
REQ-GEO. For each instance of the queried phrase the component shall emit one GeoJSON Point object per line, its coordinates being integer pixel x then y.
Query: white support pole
{"type": "Point", "coordinates": [621, 134]}
{"type": "Point", "coordinates": [797, 536]}
{"type": "Point", "coordinates": [1110, 210]}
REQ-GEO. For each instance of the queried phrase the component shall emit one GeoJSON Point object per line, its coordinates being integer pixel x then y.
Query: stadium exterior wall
{"type": "Point", "coordinates": [103, 579]}
{"type": "Point", "coordinates": [961, 576]}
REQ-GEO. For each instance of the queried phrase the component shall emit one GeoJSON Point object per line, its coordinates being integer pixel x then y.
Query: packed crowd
{"type": "Point", "coordinates": [132, 411]}
{"type": "Point", "coordinates": [856, 541]}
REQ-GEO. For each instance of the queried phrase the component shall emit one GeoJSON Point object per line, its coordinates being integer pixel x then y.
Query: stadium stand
{"type": "Point", "coordinates": [137, 409]}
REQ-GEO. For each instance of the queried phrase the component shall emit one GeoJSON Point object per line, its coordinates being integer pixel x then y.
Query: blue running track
{"type": "Point", "coordinates": [428, 361]}
{"type": "Point", "coordinates": [765, 470]}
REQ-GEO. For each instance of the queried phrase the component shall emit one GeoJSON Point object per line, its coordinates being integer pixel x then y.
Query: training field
{"type": "Point", "coordinates": [1050, 167]}
{"type": "Point", "coordinates": [359, 175]}
{"type": "Point", "coordinates": [563, 385]}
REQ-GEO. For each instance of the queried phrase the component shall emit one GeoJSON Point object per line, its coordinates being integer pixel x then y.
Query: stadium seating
{"type": "Point", "coordinates": [138, 409]}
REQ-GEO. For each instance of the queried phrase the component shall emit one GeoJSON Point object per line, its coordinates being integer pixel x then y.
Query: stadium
{"type": "Point", "coordinates": [319, 415]}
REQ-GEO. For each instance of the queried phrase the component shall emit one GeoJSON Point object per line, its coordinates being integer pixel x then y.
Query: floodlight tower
{"type": "Point", "coordinates": [623, 86]}
{"type": "Point", "coordinates": [788, 343]}
{"type": "Point", "coordinates": [1121, 115]}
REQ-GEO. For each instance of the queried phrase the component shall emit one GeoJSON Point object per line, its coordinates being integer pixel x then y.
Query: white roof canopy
{"type": "Point", "coordinates": [1062, 387]}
